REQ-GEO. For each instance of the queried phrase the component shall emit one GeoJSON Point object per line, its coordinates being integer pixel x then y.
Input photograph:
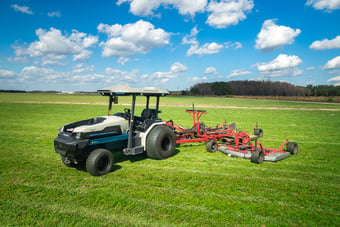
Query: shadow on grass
{"type": "Point", "coordinates": [119, 157]}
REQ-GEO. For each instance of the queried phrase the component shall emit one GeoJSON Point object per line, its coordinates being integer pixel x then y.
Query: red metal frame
{"type": "Point", "coordinates": [232, 138]}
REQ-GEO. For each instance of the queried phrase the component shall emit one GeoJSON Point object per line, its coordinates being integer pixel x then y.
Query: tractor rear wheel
{"type": "Point", "coordinates": [160, 143]}
{"type": "Point", "coordinates": [257, 156]}
{"type": "Point", "coordinates": [212, 146]}
{"type": "Point", "coordinates": [292, 148]}
{"type": "Point", "coordinates": [99, 162]}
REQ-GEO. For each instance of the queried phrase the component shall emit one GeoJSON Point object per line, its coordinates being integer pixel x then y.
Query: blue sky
{"type": "Point", "coordinates": [173, 44]}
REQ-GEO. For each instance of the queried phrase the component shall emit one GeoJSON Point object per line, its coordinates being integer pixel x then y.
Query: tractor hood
{"type": "Point", "coordinates": [101, 123]}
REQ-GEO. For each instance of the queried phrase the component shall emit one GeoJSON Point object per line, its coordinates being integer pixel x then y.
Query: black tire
{"type": "Point", "coordinates": [292, 148]}
{"type": "Point", "coordinates": [257, 156]}
{"type": "Point", "coordinates": [212, 146]}
{"type": "Point", "coordinates": [258, 132]}
{"type": "Point", "coordinates": [67, 162]}
{"type": "Point", "coordinates": [160, 143]}
{"type": "Point", "coordinates": [99, 162]}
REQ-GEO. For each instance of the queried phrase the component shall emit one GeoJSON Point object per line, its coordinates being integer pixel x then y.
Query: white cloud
{"type": "Point", "coordinates": [238, 72]}
{"type": "Point", "coordinates": [6, 74]}
{"type": "Point", "coordinates": [83, 55]}
{"type": "Point", "coordinates": [52, 42]}
{"type": "Point", "coordinates": [22, 9]}
{"type": "Point", "coordinates": [228, 12]}
{"type": "Point", "coordinates": [81, 69]}
{"type": "Point", "coordinates": [146, 7]}
{"type": "Point", "coordinates": [326, 44]}
{"type": "Point", "coordinates": [54, 14]}
{"type": "Point", "coordinates": [274, 36]}
{"type": "Point", "coordinates": [311, 68]}
{"type": "Point", "coordinates": [327, 5]}
{"type": "Point", "coordinates": [207, 48]}
{"type": "Point", "coordinates": [334, 63]}
{"type": "Point", "coordinates": [79, 75]}
{"type": "Point", "coordinates": [53, 60]}
{"type": "Point", "coordinates": [116, 75]}
{"type": "Point", "coordinates": [335, 80]}
{"type": "Point", "coordinates": [210, 70]}
{"type": "Point", "coordinates": [130, 39]}
{"type": "Point", "coordinates": [283, 65]}
{"type": "Point", "coordinates": [195, 80]}
{"type": "Point", "coordinates": [176, 70]}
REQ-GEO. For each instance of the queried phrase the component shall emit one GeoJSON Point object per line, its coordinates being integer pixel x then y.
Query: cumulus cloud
{"type": "Point", "coordinates": [147, 7]}
{"type": "Point", "coordinates": [176, 70]}
{"type": "Point", "coordinates": [326, 44]}
{"type": "Point", "coordinates": [334, 63]}
{"type": "Point", "coordinates": [210, 70]}
{"type": "Point", "coordinates": [283, 65]}
{"type": "Point", "coordinates": [130, 39]}
{"type": "Point", "coordinates": [54, 43]}
{"type": "Point", "coordinates": [274, 36]}
{"type": "Point", "coordinates": [6, 74]}
{"type": "Point", "coordinates": [195, 48]}
{"type": "Point", "coordinates": [207, 48]}
{"type": "Point", "coordinates": [22, 9]}
{"type": "Point", "coordinates": [327, 5]}
{"type": "Point", "coordinates": [79, 75]}
{"type": "Point", "coordinates": [228, 12]}
{"type": "Point", "coordinates": [54, 14]}
{"type": "Point", "coordinates": [335, 80]}
{"type": "Point", "coordinates": [238, 72]}
{"type": "Point", "coordinates": [116, 75]}
{"type": "Point", "coordinates": [195, 80]}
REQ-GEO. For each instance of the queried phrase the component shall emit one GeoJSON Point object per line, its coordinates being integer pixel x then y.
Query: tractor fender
{"type": "Point", "coordinates": [144, 135]}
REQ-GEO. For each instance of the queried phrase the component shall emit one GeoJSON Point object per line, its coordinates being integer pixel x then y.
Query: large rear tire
{"type": "Point", "coordinates": [160, 143]}
{"type": "Point", "coordinates": [99, 162]}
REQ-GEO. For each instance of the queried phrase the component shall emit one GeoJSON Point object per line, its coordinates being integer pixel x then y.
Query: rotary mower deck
{"type": "Point", "coordinates": [230, 140]}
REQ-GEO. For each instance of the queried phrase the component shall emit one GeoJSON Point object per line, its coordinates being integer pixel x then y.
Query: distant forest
{"type": "Point", "coordinates": [237, 88]}
{"type": "Point", "coordinates": [260, 88]}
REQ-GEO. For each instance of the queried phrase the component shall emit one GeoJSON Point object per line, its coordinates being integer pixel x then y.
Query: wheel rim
{"type": "Point", "coordinates": [165, 144]}
{"type": "Point", "coordinates": [295, 151]}
{"type": "Point", "coordinates": [102, 163]}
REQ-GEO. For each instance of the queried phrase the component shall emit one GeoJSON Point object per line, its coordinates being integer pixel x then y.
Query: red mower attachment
{"type": "Point", "coordinates": [230, 140]}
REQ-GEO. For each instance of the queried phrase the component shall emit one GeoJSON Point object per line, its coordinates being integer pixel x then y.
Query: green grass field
{"type": "Point", "coordinates": [192, 188]}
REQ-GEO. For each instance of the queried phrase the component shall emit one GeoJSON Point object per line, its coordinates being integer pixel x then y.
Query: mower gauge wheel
{"type": "Point", "coordinates": [212, 146]}
{"type": "Point", "coordinates": [257, 156]}
{"type": "Point", "coordinates": [292, 148]}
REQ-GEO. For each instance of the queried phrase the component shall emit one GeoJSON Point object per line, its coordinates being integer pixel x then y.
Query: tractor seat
{"type": "Point", "coordinates": [149, 114]}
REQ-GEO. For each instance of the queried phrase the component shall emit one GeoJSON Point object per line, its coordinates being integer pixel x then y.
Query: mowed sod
{"type": "Point", "coordinates": [192, 188]}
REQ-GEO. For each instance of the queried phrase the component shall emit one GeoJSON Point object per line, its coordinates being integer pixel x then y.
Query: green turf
{"type": "Point", "coordinates": [185, 101]}
{"type": "Point", "coordinates": [192, 188]}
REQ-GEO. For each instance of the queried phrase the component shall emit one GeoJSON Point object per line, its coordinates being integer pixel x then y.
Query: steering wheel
{"type": "Point", "coordinates": [126, 110]}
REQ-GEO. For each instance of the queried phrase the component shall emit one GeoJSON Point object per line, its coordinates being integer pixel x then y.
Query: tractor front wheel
{"type": "Point", "coordinates": [99, 162]}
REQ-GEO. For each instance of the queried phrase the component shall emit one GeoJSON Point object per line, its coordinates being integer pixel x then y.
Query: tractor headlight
{"type": "Point", "coordinates": [77, 135]}
{"type": "Point", "coordinates": [60, 131]}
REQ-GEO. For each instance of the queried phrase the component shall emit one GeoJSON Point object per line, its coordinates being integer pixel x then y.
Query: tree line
{"type": "Point", "coordinates": [261, 88]}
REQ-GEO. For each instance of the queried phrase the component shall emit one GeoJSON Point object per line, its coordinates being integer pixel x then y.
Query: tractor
{"type": "Point", "coordinates": [91, 142]}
